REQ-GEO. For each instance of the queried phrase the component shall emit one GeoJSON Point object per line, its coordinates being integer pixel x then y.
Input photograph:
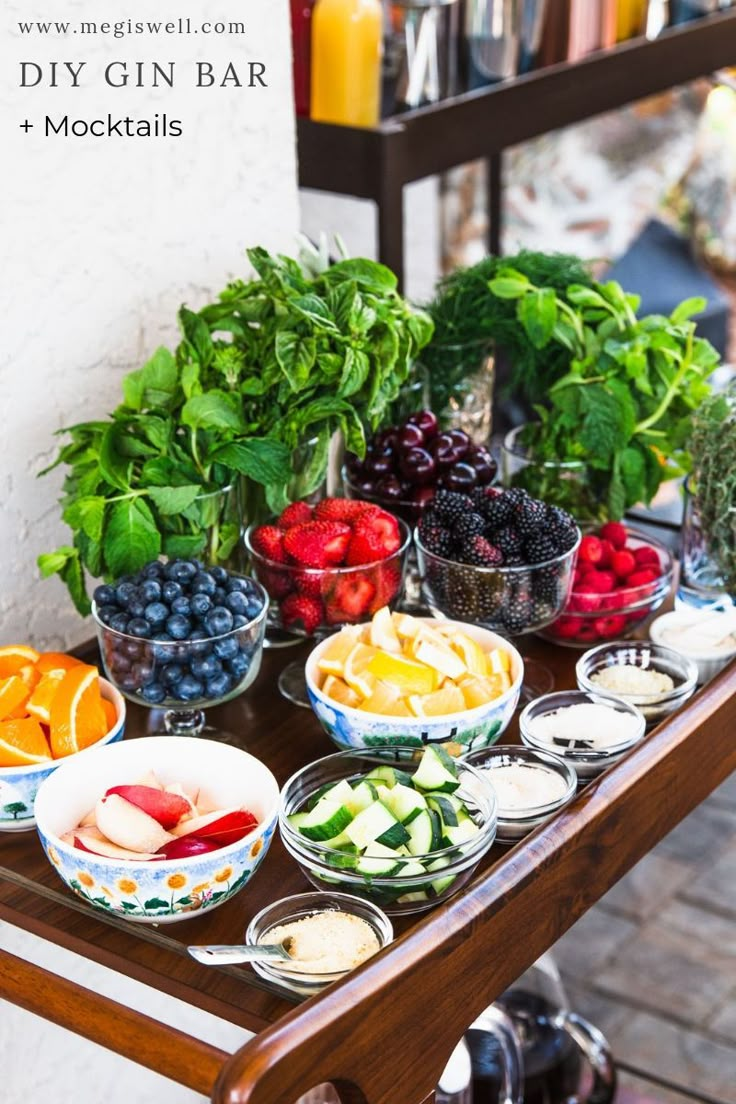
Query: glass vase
{"type": "Point", "coordinates": [701, 583]}
{"type": "Point", "coordinates": [461, 387]}
{"type": "Point", "coordinates": [569, 484]}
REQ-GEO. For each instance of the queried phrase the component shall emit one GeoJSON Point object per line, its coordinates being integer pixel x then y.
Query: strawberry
{"type": "Point", "coordinates": [387, 579]}
{"type": "Point", "coordinates": [646, 556]}
{"type": "Point", "coordinates": [375, 536]}
{"type": "Point", "coordinates": [298, 513]}
{"type": "Point", "coordinates": [268, 541]}
{"type": "Point", "coordinates": [350, 598]}
{"type": "Point", "coordinates": [614, 532]}
{"type": "Point", "coordinates": [623, 563]}
{"type": "Point", "coordinates": [278, 583]}
{"type": "Point", "coordinates": [342, 509]}
{"type": "Point", "coordinates": [310, 582]}
{"type": "Point", "coordinates": [300, 611]}
{"type": "Point", "coordinates": [318, 543]}
{"type": "Point", "coordinates": [591, 550]}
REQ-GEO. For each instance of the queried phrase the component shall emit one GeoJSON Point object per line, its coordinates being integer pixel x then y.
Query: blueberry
{"type": "Point", "coordinates": [201, 604]}
{"type": "Point", "coordinates": [189, 688]}
{"type": "Point", "coordinates": [255, 605]}
{"type": "Point", "coordinates": [131, 648]}
{"type": "Point", "coordinates": [138, 626]}
{"type": "Point", "coordinates": [119, 622]}
{"type": "Point", "coordinates": [219, 597]}
{"type": "Point", "coordinates": [218, 621]}
{"type": "Point", "coordinates": [218, 686]}
{"type": "Point", "coordinates": [129, 682]}
{"type": "Point", "coordinates": [106, 613]}
{"type": "Point", "coordinates": [119, 665]}
{"type": "Point", "coordinates": [161, 651]}
{"type": "Point", "coordinates": [137, 607]}
{"type": "Point", "coordinates": [200, 643]}
{"type": "Point", "coordinates": [170, 590]}
{"type": "Point", "coordinates": [239, 665]}
{"type": "Point", "coordinates": [181, 606]}
{"type": "Point", "coordinates": [240, 621]}
{"type": "Point", "coordinates": [153, 693]}
{"type": "Point", "coordinates": [235, 601]}
{"type": "Point", "coordinates": [172, 675]}
{"type": "Point", "coordinates": [179, 627]}
{"type": "Point", "coordinates": [219, 574]}
{"type": "Point", "coordinates": [151, 590]}
{"type": "Point", "coordinates": [225, 648]}
{"type": "Point", "coordinates": [236, 584]}
{"type": "Point", "coordinates": [156, 613]}
{"type": "Point", "coordinates": [205, 667]}
{"type": "Point", "coordinates": [153, 570]}
{"type": "Point", "coordinates": [184, 571]}
{"type": "Point", "coordinates": [104, 595]}
{"type": "Point", "coordinates": [123, 593]}
{"type": "Point", "coordinates": [203, 583]}
{"type": "Point", "coordinates": [143, 672]}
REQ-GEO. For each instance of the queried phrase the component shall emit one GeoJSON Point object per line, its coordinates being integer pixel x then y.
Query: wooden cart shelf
{"type": "Point", "coordinates": [384, 1033]}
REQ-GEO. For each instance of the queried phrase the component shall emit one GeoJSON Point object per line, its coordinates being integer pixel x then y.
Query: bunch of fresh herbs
{"type": "Point", "coordinates": [623, 404]}
{"type": "Point", "coordinates": [713, 448]}
{"type": "Point", "coordinates": [277, 365]}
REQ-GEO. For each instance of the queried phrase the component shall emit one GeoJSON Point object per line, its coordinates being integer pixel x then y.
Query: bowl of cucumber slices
{"type": "Point", "coordinates": [402, 827]}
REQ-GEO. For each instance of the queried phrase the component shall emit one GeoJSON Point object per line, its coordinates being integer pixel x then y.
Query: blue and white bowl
{"type": "Point", "coordinates": [167, 890]}
{"type": "Point", "coordinates": [19, 785]}
{"type": "Point", "coordinates": [354, 729]}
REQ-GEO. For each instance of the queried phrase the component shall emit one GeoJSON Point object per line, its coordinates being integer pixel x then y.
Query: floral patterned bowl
{"type": "Point", "coordinates": [168, 890]}
{"type": "Point", "coordinates": [19, 785]}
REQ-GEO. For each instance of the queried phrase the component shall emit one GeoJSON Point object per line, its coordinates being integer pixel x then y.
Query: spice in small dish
{"type": "Point", "coordinates": [327, 942]}
{"type": "Point", "coordinates": [520, 787]}
{"type": "Point", "coordinates": [585, 725]}
{"type": "Point", "coordinates": [627, 678]}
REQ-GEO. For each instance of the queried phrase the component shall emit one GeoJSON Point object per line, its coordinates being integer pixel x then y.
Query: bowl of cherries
{"type": "Point", "coordinates": [405, 466]}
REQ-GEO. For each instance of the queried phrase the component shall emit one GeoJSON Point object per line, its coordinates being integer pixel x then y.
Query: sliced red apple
{"type": "Point", "coordinates": [223, 825]}
{"type": "Point", "coordinates": [166, 808]}
{"type": "Point", "coordinates": [129, 826]}
{"type": "Point", "coordinates": [96, 844]}
{"type": "Point", "coordinates": [190, 796]}
{"type": "Point", "coordinates": [187, 846]}
{"type": "Point", "coordinates": [89, 820]}
{"type": "Point", "coordinates": [149, 779]}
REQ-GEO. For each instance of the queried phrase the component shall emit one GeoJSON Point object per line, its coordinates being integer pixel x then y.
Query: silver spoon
{"type": "Point", "coordinates": [223, 954]}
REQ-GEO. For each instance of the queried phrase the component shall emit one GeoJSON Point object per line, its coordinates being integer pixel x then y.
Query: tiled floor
{"type": "Point", "coordinates": [654, 963]}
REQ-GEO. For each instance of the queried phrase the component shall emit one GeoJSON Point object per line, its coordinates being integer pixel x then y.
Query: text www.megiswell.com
{"type": "Point", "coordinates": [124, 28]}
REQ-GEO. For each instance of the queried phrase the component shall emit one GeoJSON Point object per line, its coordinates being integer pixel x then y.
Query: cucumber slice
{"type": "Point", "coordinates": [405, 803]}
{"type": "Point", "coordinates": [444, 808]}
{"type": "Point", "coordinates": [408, 898]}
{"type": "Point", "coordinates": [465, 831]}
{"type": "Point", "coordinates": [421, 834]}
{"type": "Point", "coordinates": [437, 829]}
{"type": "Point", "coordinates": [439, 885]}
{"type": "Point", "coordinates": [341, 791]}
{"type": "Point", "coordinates": [410, 868]}
{"type": "Point", "coordinates": [378, 862]}
{"type": "Point", "coordinates": [433, 774]}
{"type": "Point", "coordinates": [327, 819]}
{"type": "Point", "coordinates": [376, 823]}
{"type": "Point", "coordinates": [389, 776]}
{"type": "Point", "coordinates": [361, 796]}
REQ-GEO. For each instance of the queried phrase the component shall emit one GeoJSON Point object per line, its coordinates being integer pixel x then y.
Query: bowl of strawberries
{"type": "Point", "coordinates": [620, 578]}
{"type": "Point", "coordinates": [329, 565]}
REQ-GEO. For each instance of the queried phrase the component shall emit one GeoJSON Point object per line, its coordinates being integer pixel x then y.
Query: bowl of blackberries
{"type": "Point", "coordinates": [404, 466]}
{"type": "Point", "coordinates": [181, 634]}
{"type": "Point", "coordinates": [498, 558]}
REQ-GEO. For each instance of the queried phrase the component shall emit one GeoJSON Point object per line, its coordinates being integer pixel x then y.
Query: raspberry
{"type": "Point", "coordinates": [591, 550]}
{"type": "Point", "coordinates": [607, 555]}
{"type": "Point", "coordinates": [641, 578]}
{"type": "Point", "coordinates": [600, 582]}
{"type": "Point", "coordinates": [646, 556]}
{"type": "Point", "coordinates": [566, 627]}
{"type": "Point", "coordinates": [623, 563]}
{"type": "Point", "coordinates": [609, 626]}
{"type": "Point", "coordinates": [584, 603]}
{"type": "Point", "coordinates": [614, 532]}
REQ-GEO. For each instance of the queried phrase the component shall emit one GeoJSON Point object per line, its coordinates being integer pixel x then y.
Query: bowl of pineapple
{"type": "Point", "coordinates": [413, 681]}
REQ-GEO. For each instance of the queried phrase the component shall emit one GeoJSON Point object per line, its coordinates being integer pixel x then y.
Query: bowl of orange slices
{"type": "Point", "coordinates": [412, 681]}
{"type": "Point", "coordinates": [52, 706]}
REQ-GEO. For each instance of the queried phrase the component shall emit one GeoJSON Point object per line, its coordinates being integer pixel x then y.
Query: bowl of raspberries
{"type": "Point", "coordinates": [621, 577]}
{"type": "Point", "coordinates": [332, 564]}
{"type": "Point", "coordinates": [499, 558]}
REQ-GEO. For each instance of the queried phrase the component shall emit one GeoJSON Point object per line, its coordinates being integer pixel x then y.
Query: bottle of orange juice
{"type": "Point", "coordinates": [347, 40]}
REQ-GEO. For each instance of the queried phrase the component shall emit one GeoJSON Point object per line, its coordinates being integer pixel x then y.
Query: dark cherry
{"type": "Point", "coordinates": [442, 449]}
{"type": "Point", "coordinates": [354, 467]}
{"type": "Point", "coordinates": [390, 487]}
{"type": "Point", "coordinates": [380, 466]}
{"type": "Point", "coordinates": [479, 451]}
{"type": "Point", "coordinates": [427, 422]}
{"type": "Point", "coordinates": [460, 437]}
{"type": "Point", "coordinates": [421, 496]}
{"type": "Point", "coordinates": [460, 478]}
{"type": "Point", "coordinates": [409, 437]}
{"type": "Point", "coordinates": [386, 439]}
{"type": "Point", "coordinates": [484, 469]}
{"type": "Point", "coordinates": [366, 487]}
{"type": "Point", "coordinates": [418, 466]}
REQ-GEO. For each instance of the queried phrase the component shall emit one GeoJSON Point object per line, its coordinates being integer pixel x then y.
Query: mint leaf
{"type": "Point", "coordinates": [261, 458]}
{"type": "Point", "coordinates": [114, 467]}
{"type": "Point", "coordinates": [131, 537]}
{"type": "Point", "coordinates": [537, 313]}
{"type": "Point", "coordinates": [51, 563]}
{"type": "Point", "coordinates": [633, 475]}
{"type": "Point", "coordinates": [156, 382]}
{"type": "Point", "coordinates": [87, 513]}
{"type": "Point", "coordinates": [73, 576]}
{"type": "Point", "coordinates": [174, 500]}
{"type": "Point", "coordinates": [687, 308]}
{"type": "Point", "coordinates": [197, 333]}
{"type": "Point", "coordinates": [183, 546]}
{"type": "Point", "coordinates": [213, 410]}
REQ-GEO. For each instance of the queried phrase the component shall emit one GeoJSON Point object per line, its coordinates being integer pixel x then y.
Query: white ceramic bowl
{"type": "Point", "coordinates": [709, 663]}
{"type": "Point", "coordinates": [354, 729]}
{"type": "Point", "coordinates": [19, 785]}
{"type": "Point", "coordinates": [159, 892]}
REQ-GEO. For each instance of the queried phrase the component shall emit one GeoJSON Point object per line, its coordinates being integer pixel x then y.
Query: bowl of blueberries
{"type": "Point", "coordinates": [181, 635]}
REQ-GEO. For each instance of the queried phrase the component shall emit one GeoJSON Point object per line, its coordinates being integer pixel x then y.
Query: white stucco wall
{"type": "Point", "coordinates": [101, 240]}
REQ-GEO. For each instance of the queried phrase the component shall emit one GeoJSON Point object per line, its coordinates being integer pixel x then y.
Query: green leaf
{"type": "Point", "coordinates": [73, 576]}
{"type": "Point", "coordinates": [688, 308]}
{"type": "Point", "coordinates": [87, 513]}
{"type": "Point", "coordinates": [51, 563]}
{"type": "Point", "coordinates": [155, 903]}
{"type": "Point", "coordinates": [229, 535]}
{"type": "Point", "coordinates": [213, 410]}
{"type": "Point", "coordinates": [354, 373]}
{"type": "Point", "coordinates": [606, 426]}
{"type": "Point", "coordinates": [157, 380]}
{"type": "Point", "coordinates": [296, 356]}
{"type": "Point", "coordinates": [114, 467]}
{"type": "Point", "coordinates": [537, 313]}
{"type": "Point", "coordinates": [369, 274]}
{"type": "Point", "coordinates": [197, 333]}
{"type": "Point", "coordinates": [633, 475]}
{"type": "Point", "coordinates": [190, 384]}
{"type": "Point", "coordinates": [261, 458]}
{"type": "Point", "coordinates": [183, 545]}
{"type": "Point", "coordinates": [616, 495]}
{"type": "Point", "coordinates": [131, 537]}
{"type": "Point", "coordinates": [173, 500]}
{"type": "Point", "coordinates": [314, 309]}
{"type": "Point", "coordinates": [509, 284]}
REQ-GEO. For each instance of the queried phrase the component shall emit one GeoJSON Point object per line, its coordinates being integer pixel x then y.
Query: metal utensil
{"type": "Point", "coordinates": [223, 954]}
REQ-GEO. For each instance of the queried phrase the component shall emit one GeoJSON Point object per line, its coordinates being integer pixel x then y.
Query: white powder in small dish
{"type": "Point", "coordinates": [585, 725]}
{"type": "Point", "coordinates": [627, 678]}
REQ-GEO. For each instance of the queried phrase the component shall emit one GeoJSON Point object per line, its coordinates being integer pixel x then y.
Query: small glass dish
{"type": "Point", "coordinates": [648, 656]}
{"type": "Point", "coordinates": [587, 761]}
{"type": "Point", "coordinates": [708, 660]}
{"type": "Point", "coordinates": [289, 909]}
{"type": "Point", "coordinates": [515, 823]}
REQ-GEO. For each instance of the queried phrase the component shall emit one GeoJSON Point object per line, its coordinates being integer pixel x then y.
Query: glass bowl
{"type": "Point", "coordinates": [564, 483]}
{"type": "Point", "coordinates": [348, 595]}
{"type": "Point", "coordinates": [648, 656]}
{"type": "Point", "coordinates": [289, 909]}
{"type": "Point", "coordinates": [515, 823]}
{"type": "Point", "coordinates": [508, 600]}
{"type": "Point", "coordinates": [403, 508]}
{"type": "Point", "coordinates": [591, 618]}
{"type": "Point", "coordinates": [586, 760]}
{"type": "Point", "coordinates": [445, 871]}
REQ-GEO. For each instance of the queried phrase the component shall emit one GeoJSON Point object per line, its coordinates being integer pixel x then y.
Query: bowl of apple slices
{"type": "Point", "coordinates": [159, 830]}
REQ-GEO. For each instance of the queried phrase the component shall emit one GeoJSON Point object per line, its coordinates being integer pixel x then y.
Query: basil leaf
{"type": "Point", "coordinates": [131, 537]}
{"type": "Point", "coordinates": [537, 313]}
{"type": "Point", "coordinates": [296, 356]}
{"type": "Point", "coordinates": [369, 274]}
{"type": "Point", "coordinates": [354, 373]}
{"type": "Point", "coordinates": [173, 500]}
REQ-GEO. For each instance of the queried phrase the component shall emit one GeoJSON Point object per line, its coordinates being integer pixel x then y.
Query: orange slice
{"type": "Point", "coordinates": [384, 699]}
{"type": "Point", "coordinates": [111, 714]}
{"type": "Point", "coordinates": [448, 700]}
{"type": "Point", "coordinates": [332, 661]}
{"type": "Point", "coordinates": [355, 670]}
{"type": "Point", "coordinates": [22, 743]}
{"type": "Point", "coordinates": [31, 676]}
{"type": "Point", "coordinates": [15, 656]}
{"type": "Point", "coordinates": [13, 696]}
{"type": "Point", "coordinates": [480, 690]}
{"type": "Point", "coordinates": [407, 674]}
{"type": "Point", "coordinates": [55, 661]}
{"type": "Point", "coordinates": [337, 689]}
{"type": "Point", "coordinates": [77, 715]}
{"type": "Point", "coordinates": [39, 703]}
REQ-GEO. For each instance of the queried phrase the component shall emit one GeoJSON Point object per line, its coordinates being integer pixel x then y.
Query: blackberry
{"type": "Point", "coordinates": [548, 585]}
{"type": "Point", "coordinates": [495, 506]}
{"type": "Point", "coordinates": [516, 495]}
{"type": "Point", "coordinates": [435, 538]}
{"type": "Point", "coordinates": [539, 547]}
{"type": "Point", "coordinates": [509, 542]}
{"type": "Point", "coordinates": [451, 506]}
{"type": "Point", "coordinates": [529, 516]}
{"type": "Point", "coordinates": [482, 553]}
{"type": "Point", "coordinates": [466, 527]}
